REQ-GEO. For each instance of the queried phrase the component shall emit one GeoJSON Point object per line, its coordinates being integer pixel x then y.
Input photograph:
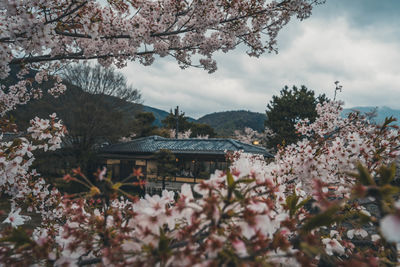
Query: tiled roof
{"type": "Point", "coordinates": [152, 144]}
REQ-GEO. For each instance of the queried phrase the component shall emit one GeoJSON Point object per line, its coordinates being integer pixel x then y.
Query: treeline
{"type": "Point", "coordinates": [98, 108]}
{"type": "Point", "coordinates": [225, 123]}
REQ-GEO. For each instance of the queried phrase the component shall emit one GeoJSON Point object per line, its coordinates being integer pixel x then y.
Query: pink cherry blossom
{"type": "Point", "coordinates": [333, 246]}
{"type": "Point", "coordinates": [16, 219]}
{"type": "Point", "coordinates": [255, 211]}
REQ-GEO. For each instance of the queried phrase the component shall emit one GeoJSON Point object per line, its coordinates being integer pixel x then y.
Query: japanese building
{"type": "Point", "coordinates": [195, 159]}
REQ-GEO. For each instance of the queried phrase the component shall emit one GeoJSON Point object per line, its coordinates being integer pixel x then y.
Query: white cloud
{"type": "Point", "coordinates": [315, 53]}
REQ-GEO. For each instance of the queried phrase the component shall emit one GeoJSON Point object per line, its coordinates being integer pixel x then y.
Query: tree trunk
{"type": "Point", "coordinates": [163, 183]}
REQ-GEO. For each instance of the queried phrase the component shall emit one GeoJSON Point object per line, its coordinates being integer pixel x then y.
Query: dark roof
{"type": "Point", "coordinates": [152, 144]}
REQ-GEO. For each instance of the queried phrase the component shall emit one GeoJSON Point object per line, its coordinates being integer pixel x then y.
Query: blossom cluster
{"type": "Point", "coordinates": [12, 96]}
{"type": "Point", "coordinates": [48, 133]}
{"type": "Point", "coordinates": [252, 213]}
{"type": "Point", "coordinates": [334, 146]}
{"type": "Point", "coordinates": [136, 30]}
{"type": "Point", "coordinates": [16, 156]}
{"type": "Point", "coordinates": [302, 209]}
{"type": "Point", "coordinates": [42, 34]}
{"type": "Point", "coordinates": [26, 89]}
{"type": "Point", "coordinates": [250, 136]}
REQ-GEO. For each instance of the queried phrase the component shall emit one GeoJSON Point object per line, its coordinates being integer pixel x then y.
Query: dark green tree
{"type": "Point", "coordinates": [201, 129]}
{"type": "Point", "coordinates": [197, 129]}
{"type": "Point", "coordinates": [166, 165]}
{"type": "Point", "coordinates": [170, 121]}
{"type": "Point", "coordinates": [285, 110]}
{"type": "Point", "coordinates": [143, 124]}
{"type": "Point", "coordinates": [227, 122]}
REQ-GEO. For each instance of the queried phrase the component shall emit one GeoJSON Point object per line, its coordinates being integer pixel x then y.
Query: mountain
{"type": "Point", "coordinates": [225, 123]}
{"type": "Point", "coordinates": [158, 114]}
{"type": "Point", "coordinates": [381, 114]}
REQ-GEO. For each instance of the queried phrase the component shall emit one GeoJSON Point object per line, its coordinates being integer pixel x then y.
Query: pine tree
{"type": "Point", "coordinates": [285, 110]}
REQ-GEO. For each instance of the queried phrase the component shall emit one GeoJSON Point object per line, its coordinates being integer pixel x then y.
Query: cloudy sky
{"type": "Point", "coordinates": [356, 42]}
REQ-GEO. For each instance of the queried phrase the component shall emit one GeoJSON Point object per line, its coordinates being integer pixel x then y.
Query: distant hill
{"type": "Point", "coordinates": [382, 113]}
{"type": "Point", "coordinates": [158, 114]}
{"type": "Point", "coordinates": [225, 123]}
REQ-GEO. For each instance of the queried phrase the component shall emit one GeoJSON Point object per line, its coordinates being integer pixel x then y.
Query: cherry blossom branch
{"type": "Point", "coordinates": [68, 12]}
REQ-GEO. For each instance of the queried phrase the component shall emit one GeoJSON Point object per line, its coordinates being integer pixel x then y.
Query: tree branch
{"type": "Point", "coordinates": [81, 56]}
{"type": "Point", "coordinates": [68, 12]}
{"type": "Point", "coordinates": [89, 261]}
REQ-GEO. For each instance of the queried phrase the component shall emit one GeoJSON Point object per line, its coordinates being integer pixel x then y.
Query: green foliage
{"type": "Point", "coordinates": [164, 132]}
{"type": "Point", "coordinates": [158, 114]}
{"type": "Point", "coordinates": [170, 121]}
{"type": "Point", "coordinates": [143, 124]}
{"type": "Point", "coordinates": [293, 204]}
{"type": "Point", "coordinates": [166, 165]}
{"type": "Point", "coordinates": [184, 125]}
{"type": "Point", "coordinates": [201, 129]}
{"type": "Point", "coordinates": [225, 123]}
{"type": "Point", "coordinates": [387, 174]}
{"type": "Point", "coordinates": [383, 193]}
{"type": "Point", "coordinates": [19, 237]}
{"type": "Point", "coordinates": [363, 175]}
{"type": "Point", "coordinates": [229, 180]}
{"type": "Point", "coordinates": [284, 111]}
{"type": "Point", "coordinates": [325, 218]}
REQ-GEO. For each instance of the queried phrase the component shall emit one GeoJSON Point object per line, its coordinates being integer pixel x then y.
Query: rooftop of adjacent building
{"type": "Point", "coordinates": [154, 143]}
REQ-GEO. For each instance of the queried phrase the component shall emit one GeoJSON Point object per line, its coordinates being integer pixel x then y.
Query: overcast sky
{"type": "Point", "coordinates": [354, 41]}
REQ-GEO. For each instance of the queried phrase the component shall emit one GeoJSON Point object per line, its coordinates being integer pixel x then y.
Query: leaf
{"type": "Point", "coordinates": [229, 179]}
{"type": "Point", "coordinates": [363, 175]}
{"type": "Point", "coordinates": [309, 250]}
{"type": "Point", "coordinates": [116, 186]}
{"type": "Point", "coordinates": [291, 203]}
{"type": "Point", "coordinates": [303, 202]}
{"type": "Point", "coordinates": [94, 191]}
{"type": "Point", "coordinates": [388, 191]}
{"type": "Point", "coordinates": [18, 236]}
{"type": "Point", "coordinates": [245, 181]}
{"type": "Point", "coordinates": [387, 174]}
{"type": "Point", "coordinates": [323, 219]}
{"type": "Point", "coordinates": [364, 218]}
{"type": "Point", "coordinates": [388, 120]}
{"type": "Point", "coordinates": [163, 243]}
{"type": "Point", "coordinates": [238, 194]}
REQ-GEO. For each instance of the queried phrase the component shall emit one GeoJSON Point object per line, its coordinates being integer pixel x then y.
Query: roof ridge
{"type": "Point", "coordinates": [194, 138]}
{"type": "Point", "coordinates": [235, 143]}
{"type": "Point", "coordinates": [134, 140]}
{"type": "Point", "coordinates": [155, 137]}
{"type": "Point", "coordinates": [152, 143]}
{"type": "Point", "coordinates": [144, 138]}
